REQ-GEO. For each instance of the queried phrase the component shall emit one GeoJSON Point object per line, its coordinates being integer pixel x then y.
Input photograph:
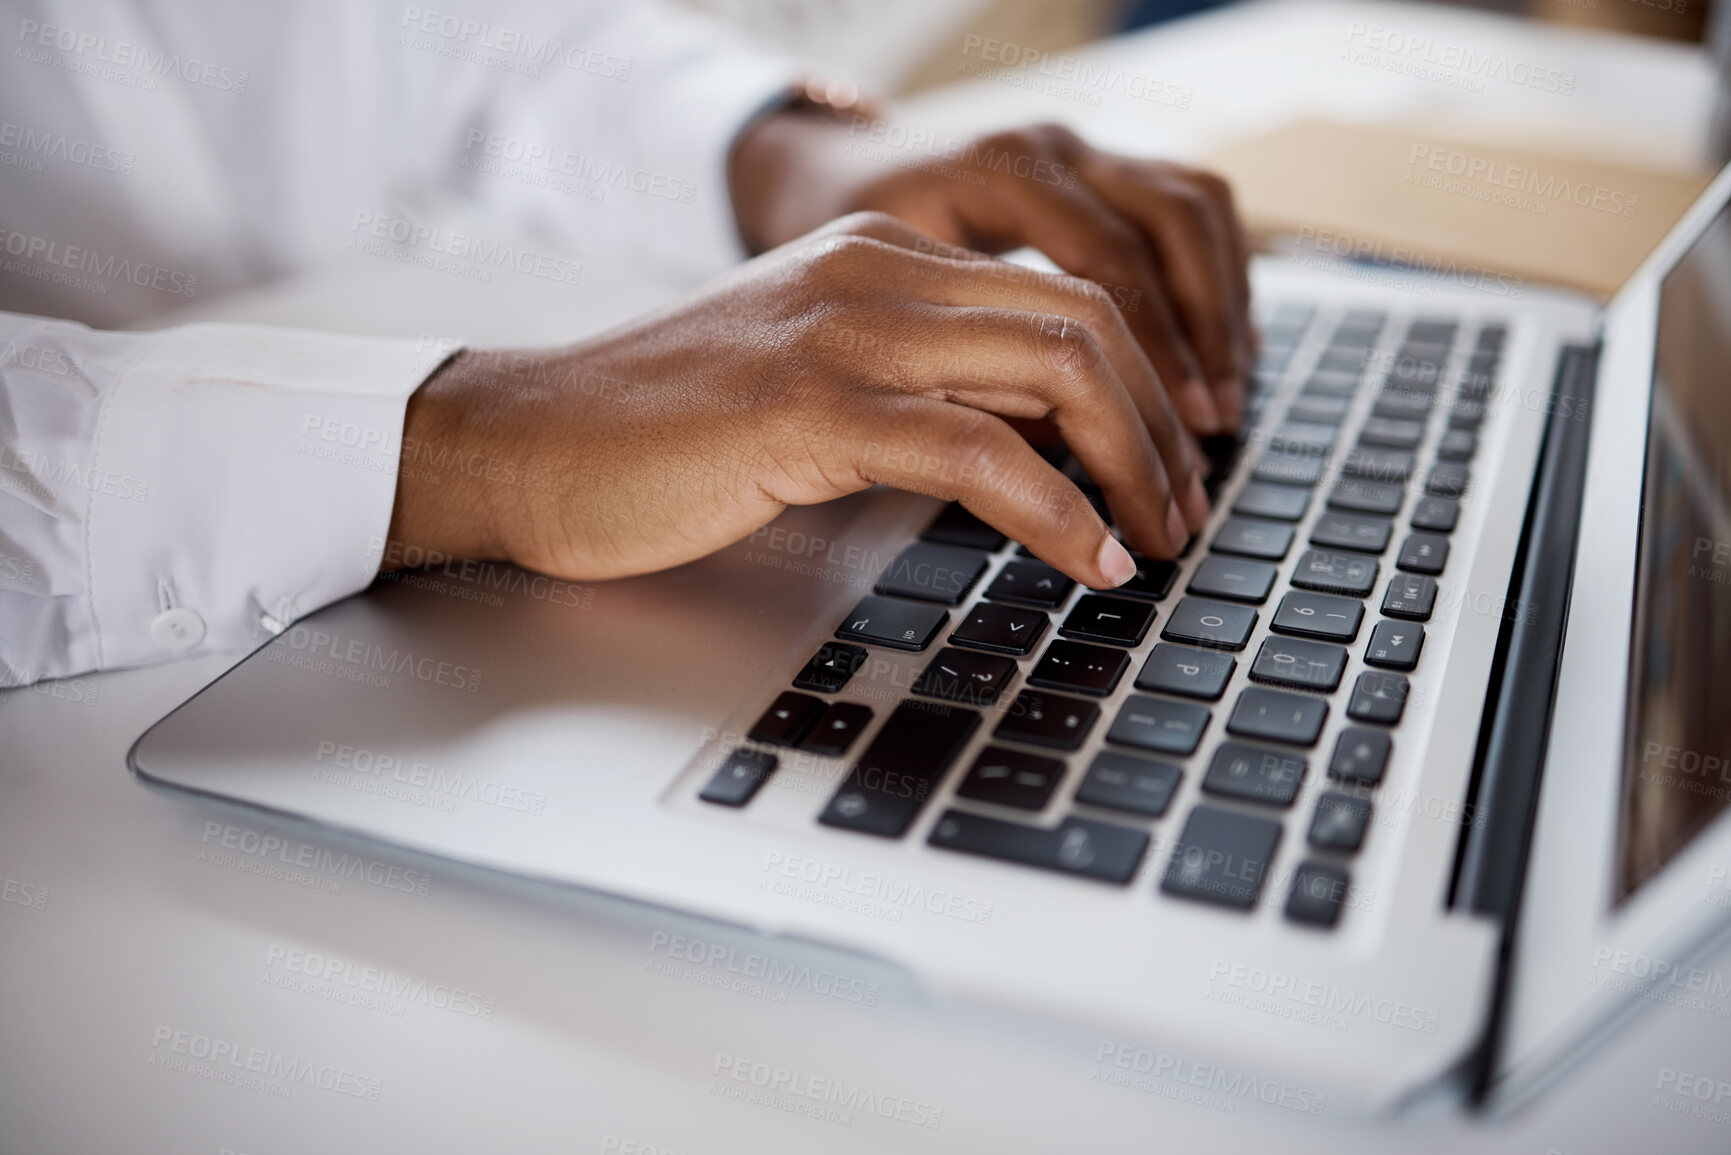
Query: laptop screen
{"type": "Point", "coordinates": [1677, 744]}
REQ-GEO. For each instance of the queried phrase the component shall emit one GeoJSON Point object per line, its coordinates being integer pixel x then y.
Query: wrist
{"type": "Point", "coordinates": [444, 503]}
{"type": "Point", "coordinates": [791, 170]}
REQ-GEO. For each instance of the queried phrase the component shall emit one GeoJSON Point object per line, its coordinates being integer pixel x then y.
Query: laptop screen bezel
{"type": "Point", "coordinates": [1576, 948]}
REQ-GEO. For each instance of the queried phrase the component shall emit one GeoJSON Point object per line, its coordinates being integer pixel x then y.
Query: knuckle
{"type": "Point", "coordinates": [973, 443]}
{"type": "Point", "coordinates": [1070, 350]}
{"type": "Point", "coordinates": [836, 259]}
{"type": "Point", "coordinates": [1055, 138]}
{"type": "Point", "coordinates": [869, 223]}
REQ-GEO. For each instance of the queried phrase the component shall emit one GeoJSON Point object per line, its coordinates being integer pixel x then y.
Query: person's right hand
{"type": "Point", "coordinates": [860, 354]}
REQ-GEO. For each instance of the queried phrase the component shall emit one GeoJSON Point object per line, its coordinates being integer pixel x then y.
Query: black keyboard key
{"type": "Point", "coordinates": [1449, 478]}
{"type": "Point", "coordinates": [1191, 673]}
{"type": "Point", "coordinates": [897, 624]}
{"type": "Point", "coordinates": [1466, 413]}
{"type": "Point", "coordinates": [1360, 755]}
{"type": "Point", "coordinates": [1335, 573]}
{"type": "Point", "coordinates": [1042, 719]}
{"type": "Point", "coordinates": [1377, 464]}
{"type": "Point", "coordinates": [1289, 468]}
{"type": "Point", "coordinates": [1417, 373]}
{"type": "Point", "coordinates": [889, 785]}
{"type": "Point", "coordinates": [1254, 774]}
{"type": "Point", "coordinates": [1279, 502]}
{"type": "Point", "coordinates": [1298, 664]}
{"type": "Point", "coordinates": [1402, 405]}
{"type": "Point", "coordinates": [831, 667]}
{"type": "Point", "coordinates": [1130, 783]}
{"type": "Point", "coordinates": [1321, 616]}
{"type": "Point", "coordinates": [956, 526]}
{"type": "Point", "coordinates": [1437, 514]}
{"type": "Point", "coordinates": [1458, 445]}
{"type": "Point", "coordinates": [1360, 495]}
{"type": "Point", "coordinates": [787, 719]}
{"type": "Point", "coordinates": [1078, 846]}
{"type": "Point", "coordinates": [1492, 337]}
{"type": "Point", "coordinates": [1250, 537]}
{"type": "Point", "coordinates": [1352, 531]}
{"type": "Point", "coordinates": [1098, 618]}
{"type": "Point", "coordinates": [1339, 822]}
{"type": "Point", "coordinates": [1394, 645]}
{"type": "Point", "coordinates": [932, 573]}
{"type": "Point", "coordinates": [1153, 579]}
{"type": "Point", "coordinates": [1477, 383]}
{"type": "Point", "coordinates": [1332, 383]}
{"type": "Point", "coordinates": [1361, 324]}
{"type": "Point", "coordinates": [738, 778]}
{"type": "Point", "coordinates": [1424, 553]}
{"type": "Point", "coordinates": [1302, 437]}
{"type": "Point", "coordinates": [1435, 330]}
{"type": "Point", "coordinates": [1321, 408]}
{"type": "Point", "coordinates": [1396, 434]}
{"type": "Point", "coordinates": [1377, 697]}
{"type": "Point", "coordinates": [1352, 357]}
{"type": "Point", "coordinates": [965, 676]}
{"type": "Point", "coordinates": [1317, 894]}
{"type": "Point", "coordinates": [1221, 857]}
{"type": "Point", "coordinates": [1159, 724]}
{"type": "Point", "coordinates": [1202, 622]}
{"type": "Point", "coordinates": [1012, 778]}
{"type": "Point", "coordinates": [1237, 578]}
{"type": "Point", "coordinates": [1410, 596]}
{"type": "Point", "coordinates": [1030, 583]}
{"type": "Point", "coordinates": [1277, 716]}
{"type": "Point", "coordinates": [1080, 668]}
{"type": "Point", "coordinates": [840, 725]}
{"type": "Point", "coordinates": [1003, 629]}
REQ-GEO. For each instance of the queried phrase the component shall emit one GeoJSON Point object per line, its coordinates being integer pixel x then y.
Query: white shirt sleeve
{"type": "Point", "coordinates": [192, 489]}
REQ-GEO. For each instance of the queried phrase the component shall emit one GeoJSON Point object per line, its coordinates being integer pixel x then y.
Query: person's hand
{"type": "Point", "coordinates": [845, 359]}
{"type": "Point", "coordinates": [1161, 238]}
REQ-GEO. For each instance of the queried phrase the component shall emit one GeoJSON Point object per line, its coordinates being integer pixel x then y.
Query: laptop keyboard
{"type": "Point", "coordinates": [1015, 652]}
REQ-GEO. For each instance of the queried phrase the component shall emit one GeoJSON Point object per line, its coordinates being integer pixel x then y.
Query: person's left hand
{"type": "Point", "coordinates": [1162, 239]}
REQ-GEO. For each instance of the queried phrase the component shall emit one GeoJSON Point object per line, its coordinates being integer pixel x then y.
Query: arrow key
{"type": "Point", "coordinates": [1394, 645]}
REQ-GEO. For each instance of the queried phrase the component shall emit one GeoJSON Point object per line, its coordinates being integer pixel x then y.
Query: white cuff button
{"type": "Point", "coordinates": [177, 629]}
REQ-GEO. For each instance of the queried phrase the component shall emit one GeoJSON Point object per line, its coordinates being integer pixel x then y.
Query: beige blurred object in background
{"type": "Point", "coordinates": [1671, 19]}
{"type": "Point", "coordinates": [1460, 207]}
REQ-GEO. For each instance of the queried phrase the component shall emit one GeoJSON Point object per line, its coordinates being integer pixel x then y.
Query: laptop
{"type": "Point", "coordinates": [1408, 778]}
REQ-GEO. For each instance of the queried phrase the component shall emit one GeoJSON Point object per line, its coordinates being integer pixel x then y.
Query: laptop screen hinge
{"type": "Point", "coordinates": [1491, 863]}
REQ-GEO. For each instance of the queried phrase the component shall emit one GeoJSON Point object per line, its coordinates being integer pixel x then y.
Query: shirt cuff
{"type": "Point", "coordinates": [253, 475]}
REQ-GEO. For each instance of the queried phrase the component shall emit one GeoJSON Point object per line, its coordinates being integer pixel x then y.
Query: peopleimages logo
{"type": "Point", "coordinates": [226, 1061]}
{"type": "Point", "coordinates": [85, 262]}
{"type": "Point", "coordinates": [340, 980]}
{"type": "Point", "coordinates": [1118, 1063]}
{"type": "Point", "coordinates": [360, 655]}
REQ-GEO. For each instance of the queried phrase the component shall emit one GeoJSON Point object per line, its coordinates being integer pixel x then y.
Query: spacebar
{"type": "Point", "coordinates": [900, 769]}
{"type": "Point", "coordinates": [1075, 846]}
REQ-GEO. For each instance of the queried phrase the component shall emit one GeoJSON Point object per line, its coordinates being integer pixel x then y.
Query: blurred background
{"type": "Point", "coordinates": [902, 46]}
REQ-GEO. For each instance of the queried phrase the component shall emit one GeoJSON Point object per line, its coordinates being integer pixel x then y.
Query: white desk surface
{"type": "Point", "coordinates": [124, 917]}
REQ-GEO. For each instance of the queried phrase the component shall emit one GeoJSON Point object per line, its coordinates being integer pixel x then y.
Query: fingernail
{"type": "Point", "coordinates": [1196, 502]}
{"type": "Point", "coordinates": [1204, 417]}
{"type": "Point", "coordinates": [1176, 531]}
{"type": "Point", "coordinates": [1115, 563]}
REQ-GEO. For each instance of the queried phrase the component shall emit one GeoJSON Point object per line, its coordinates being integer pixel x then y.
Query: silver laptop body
{"type": "Point", "coordinates": [1321, 871]}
